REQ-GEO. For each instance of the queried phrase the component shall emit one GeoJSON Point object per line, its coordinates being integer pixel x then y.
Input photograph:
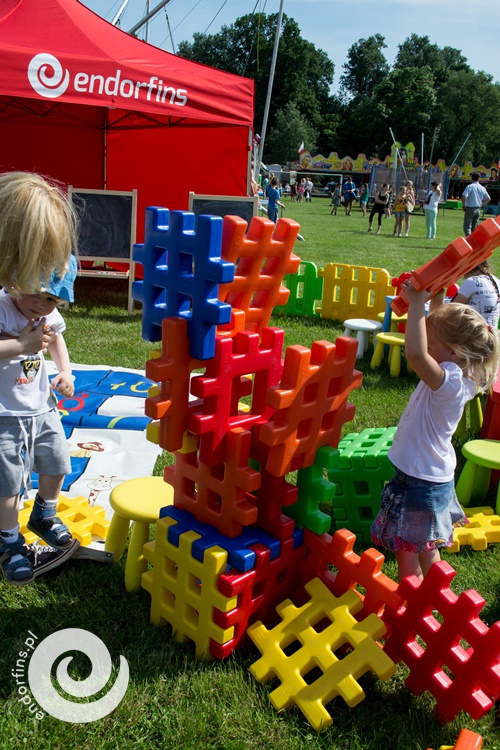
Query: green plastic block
{"type": "Point", "coordinates": [306, 289]}
{"type": "Point", "coordinates": [314, 489]}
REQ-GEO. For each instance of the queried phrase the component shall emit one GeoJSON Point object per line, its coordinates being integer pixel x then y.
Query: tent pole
{"type": "Point", "coordinates": [149, 15]}
{"type": "Point", "coordinates": [271, 80]}
{"type": "Point", "coordinates": [461, 149]}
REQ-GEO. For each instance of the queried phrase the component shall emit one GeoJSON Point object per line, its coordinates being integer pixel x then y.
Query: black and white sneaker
{"type": "Point", "coordinates": [44, 558]}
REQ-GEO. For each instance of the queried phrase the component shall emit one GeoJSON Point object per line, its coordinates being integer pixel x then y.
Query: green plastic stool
{"type": "Point", "coordinates": [482, 456]}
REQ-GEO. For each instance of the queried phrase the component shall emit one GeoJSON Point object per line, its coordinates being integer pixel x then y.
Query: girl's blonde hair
{"type": "Point", "coordinates": [463, 330]}
{"type": "Point", "coordinates": [38, 228]}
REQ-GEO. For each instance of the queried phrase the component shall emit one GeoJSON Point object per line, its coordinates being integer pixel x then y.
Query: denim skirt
{"type": "Point", "coordinates": [417, 515]}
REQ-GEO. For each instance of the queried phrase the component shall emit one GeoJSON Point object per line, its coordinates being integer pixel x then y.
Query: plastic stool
{"type": "Point", "coordinates": [364, 328]}
{"type": "Point", "coordinates": [396, 342]}
{"type": "Point", "coordinates": [140, 501]}
{"type": "Point", "coordinates": [482, 456]}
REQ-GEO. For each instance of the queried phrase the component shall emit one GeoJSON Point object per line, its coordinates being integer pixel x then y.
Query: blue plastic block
{"type": "Point", "coordinates": [182, 272]}
{"type": "Point", "coordinates": [239, 556]}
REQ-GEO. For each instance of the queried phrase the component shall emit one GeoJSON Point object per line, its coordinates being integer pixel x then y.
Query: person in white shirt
{"type": "Point", "coordinates": [474, 197]}
{"type": "Point", "coordinates": [454, 352]}
{"type": "Point", "coordinates": [481, 290]}
{"type": "Point", "coordinates": [431, 209]}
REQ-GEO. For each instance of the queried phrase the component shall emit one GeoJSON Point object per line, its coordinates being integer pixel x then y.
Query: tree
{"type": "Point", "coordinates": [303, 75]}
{"type": "Point", "coordinates": [365, 68]}
{"type": "Point", "coordinates": [470, 103]}
{"type": "Point", "coordinates": [290, 130]}
{"type": "Point", "coordinates": [418, 51]}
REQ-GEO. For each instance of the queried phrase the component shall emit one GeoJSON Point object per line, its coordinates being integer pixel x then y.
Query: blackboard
{"type": "Point", "coordinates": [107, 227]}
{"type": "Point", "coordinates": [107, 220]}
{"type": "Point", "coordinates": [224, 205]}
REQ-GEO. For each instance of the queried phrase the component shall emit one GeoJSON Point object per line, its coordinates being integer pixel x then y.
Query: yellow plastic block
{"type": "Point", "coordinates": [353, 291]}
{"type": "Point", "coordinates": [483, 529]}
{"type": "Point", "coordinates": [83, 520]}
{"type": "Point", "coordinates": [305, 641]}
{"type": "Point", "coordinates": [184, 591]}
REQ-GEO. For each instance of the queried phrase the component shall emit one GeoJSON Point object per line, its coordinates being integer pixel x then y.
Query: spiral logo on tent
{"type": "Point", "coordinates": [44, 692]}
{"type": "Point", "coordinates": [47, 76]}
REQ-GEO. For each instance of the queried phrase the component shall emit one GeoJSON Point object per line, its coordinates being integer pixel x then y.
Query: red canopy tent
{"type": "Point", "coordinates": [91, 106]}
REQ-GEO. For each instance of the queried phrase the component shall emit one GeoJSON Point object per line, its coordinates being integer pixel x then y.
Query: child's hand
{"type": "Point", "coordinates": [63, 383]}
{"type": "Point", "coordinates": [33, 338]}
{"type": "Point", "coordinates": [414, 297]}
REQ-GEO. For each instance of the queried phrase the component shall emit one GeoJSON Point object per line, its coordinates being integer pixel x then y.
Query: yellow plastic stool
{"type": "Point", "coordinates": [482, 456]}
{"type": "Point", "coordinates": [396, 342]}
{"type": "Point", "coordinates": [140, 501]}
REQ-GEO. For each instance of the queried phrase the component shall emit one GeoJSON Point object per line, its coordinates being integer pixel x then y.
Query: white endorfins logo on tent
{"type": "Point", "coordinates": [49, 79]}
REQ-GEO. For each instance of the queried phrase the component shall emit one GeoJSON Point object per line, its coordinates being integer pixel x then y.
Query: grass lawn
{"type": "Point", "coordinates": [174, 701]}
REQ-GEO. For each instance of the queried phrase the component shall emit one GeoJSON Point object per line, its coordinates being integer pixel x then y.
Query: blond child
{"type": "Point", "coordinates": [454, 352]}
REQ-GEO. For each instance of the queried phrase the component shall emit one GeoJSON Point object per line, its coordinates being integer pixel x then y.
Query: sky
{"type": "Point", "coordinates": [333, 25]}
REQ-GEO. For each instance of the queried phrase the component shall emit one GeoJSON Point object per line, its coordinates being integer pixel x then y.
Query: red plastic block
{"type": "Point", "coordinates": [458, 676]}
{"type": "Point", "coordinates": [262, 257]}
{"type": "Point", "coordinates": [490, 429]}
{"type": "Point", "coordinates": [172, 370]}
{"type": "Point", "coordinates": [225, 382]}
{"type": "Point", "coordinates": [237, 323]}
{"type": "Point", "coordinates": [218, 495]}
{"type": "Point", "coordinates": [461, 256]}
{"type": "Point", "coordinates": [259, 591]}
{"type": "Point", "coordinates": [273, 495]}
{"type": "Point", "coordinates": [351, 570]}
{"type": "Point", "coordinates": [310, 404]}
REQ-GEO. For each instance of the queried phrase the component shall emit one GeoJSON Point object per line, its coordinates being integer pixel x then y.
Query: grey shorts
{"type": "Point", "coordinates": [31, 444]}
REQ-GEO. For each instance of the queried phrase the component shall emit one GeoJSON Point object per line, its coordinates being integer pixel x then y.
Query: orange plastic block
{"type": "Point", "coordinates": [350, 570]}
{"type": "Point", "coordinates": [83, 520]}
{"type": "Point", "coordinates": [310, 404]}
{"type": "Point", "coordinates": [261, 257]}
{"type": "Point", "coordinates": [226, 381]}
{"type": "Point", "coordinates": [483, 529]}
{"type": "Point", "coordinates": [467, 740]}
{"type": "Point", "coordinates": [456, 660]}
{"type": "Point", "coordinates": [218, 495]}
{"type": "Point", "coordinates": [353, 291]}
{"type": "Point", "coordinates": [306, 641]}
{"type": "Point", "coordinates": [461, 256]}
{"type": "Point", "coordinates": [172, 370]}
{"type": "Point", "coordinates": [184, 590]}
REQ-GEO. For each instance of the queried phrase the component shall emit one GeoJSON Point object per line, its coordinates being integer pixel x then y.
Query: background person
{"type": "Point", "coordinates": [481, 290]}
{"type": "Point", "coordinates": [399, 211]}
{"type": "Point", "coordinates": [349, 194]}
{"type": "Point", "coordinates": [381, 200]}
{"type": "Point", "coordinates": [273, 200]}
{"type": "Point", "coordinates": [431, 210]}
{"type": "Point", "coordinates": [474, 197]}
{"type": "Point", "coordinates": [410, 205]}
{"type": "Point", "coordinates": [452, 351]}
{"type": "Point", "coordinates": [364, 197]}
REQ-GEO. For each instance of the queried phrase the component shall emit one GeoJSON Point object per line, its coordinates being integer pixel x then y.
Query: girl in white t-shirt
{"type": "Point", "coordinates": [481, 290]}
{"type": "Point", "coordinates": [453, 351]}
{"type": "Point", "coordinates": [431, 209]}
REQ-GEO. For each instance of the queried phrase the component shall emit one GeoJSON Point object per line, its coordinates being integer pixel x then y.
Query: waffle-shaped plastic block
{"type": "Point", "coordinates": [239, 553]}
{"type": "Point", "coordinates": [259, 591]}
{"type": "Point", "coordinates": [305, 642]}
{"type": "Point", "coordinates": [172, 370]}
{"type": "Point", "coordinates": [456, 660]}
{"type": "Point", "coordinates": [467, 740]}
{"type": "Point", "coordinates": [353, 291]}
{"type": "Point", "coordinates": [306, 289]}
{"type": "Point", "coordinates": [350, 571]}
{"type": "Point", "coordinates": [359, 471]}
{"type": "Point", "coordinates": [83, 520]}
{"type": "Point", "coordinates": [184, 589]}
{"type": "Point", "coordinates": [182, 272]}
{"type": "Point", "coordinates": [261, 257]}
{"type": "Point", "coordinates": [314, 489]}
{"type": "Point", "coordinates": [460, 257]}
{"type": "Point", "coordinates": [226, 381]}
{"type": "Point", "coordinates": [483, 529]}
{"type": "Point", "coordinates": [220, 494]}
{"type": "Point", "coordinates": [274, 495]}
{"type": "Point", "coordinates": [310, 404]}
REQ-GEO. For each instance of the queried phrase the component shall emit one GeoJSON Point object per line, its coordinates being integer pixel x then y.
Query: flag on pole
{"type": "Point", "coordinates": [301, 147]}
